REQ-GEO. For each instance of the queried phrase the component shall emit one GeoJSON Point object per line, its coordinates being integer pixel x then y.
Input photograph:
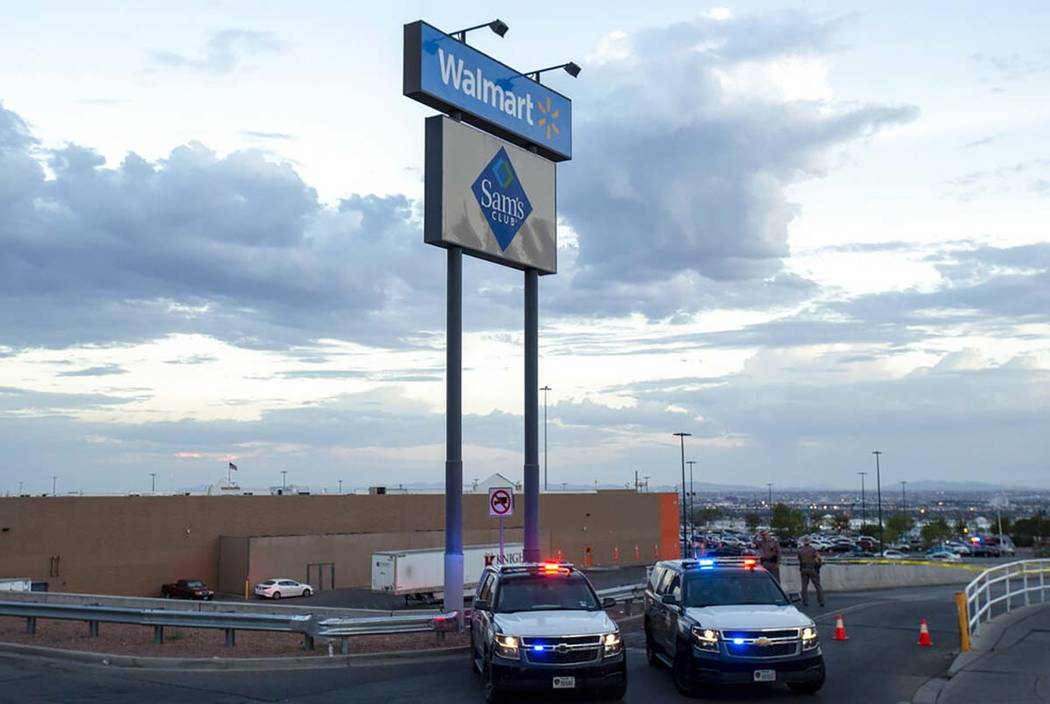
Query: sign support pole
{"type": "Point", "coordinates": [502, 558]}
{"type": "Point", "coordinates": [454, 436]}
{"type": "Point", "coordinates": [532, 431]}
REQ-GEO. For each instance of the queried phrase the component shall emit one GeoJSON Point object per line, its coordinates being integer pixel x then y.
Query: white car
{"type": "Point", "coordinates": [943, 556]}
{"type": "Point", "coordinates": [893, 555]}
{"type": "Point", "coordinates": [282, 588]}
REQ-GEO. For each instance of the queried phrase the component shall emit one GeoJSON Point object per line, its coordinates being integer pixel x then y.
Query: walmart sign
{"type": "Point", "coordinates": [450, 76]}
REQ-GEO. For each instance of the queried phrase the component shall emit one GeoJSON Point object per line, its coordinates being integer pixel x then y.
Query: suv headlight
{"type": "Point", "coordinates": [706, 638]}
{"type": "Point", "coordinates": [809, 638]}
{"type": "Point", "coordinates": [507, 646]}
{"type": "Point", "coordinates": [613, 643]}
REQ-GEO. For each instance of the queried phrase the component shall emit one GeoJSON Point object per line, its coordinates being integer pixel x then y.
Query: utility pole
{"type": "Point", "coordinates": [692, 500]}
{"type": "Point", "coordinates": [904, 498]}
{"type": "Point", "coordinates": [682, 437]}
{"type": "Point", "coordinates": [545, 389]}
{"type": "Point", "coordinates": [769, 485]}
{"type": "Point", "coordinates": [54, 485]}
{"type": "Point", "coordinates": [878, 484]}
{"type": "Point", "coordinates": [863, 515]}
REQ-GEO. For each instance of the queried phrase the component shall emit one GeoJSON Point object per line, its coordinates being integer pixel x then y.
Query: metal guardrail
{"type": "Point", "coordinates": [309, 626]}
{"type": "Point", "coordinates": [1024, 578]}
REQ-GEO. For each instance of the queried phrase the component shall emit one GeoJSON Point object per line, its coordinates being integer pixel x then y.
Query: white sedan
{"type": "Point", "coordinates": [280, 588]}
{"type": "Point", "coordinates": [893, 555]}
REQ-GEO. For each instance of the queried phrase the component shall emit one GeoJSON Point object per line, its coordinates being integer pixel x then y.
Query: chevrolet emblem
{"type": "Point", "coordinates": [763, 642]}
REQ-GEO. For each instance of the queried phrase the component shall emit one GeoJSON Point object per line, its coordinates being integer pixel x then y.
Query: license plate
{"type": "Point", "coordinates": [765, 675]}
{"type": "Point", "coordinates": [564, 682]}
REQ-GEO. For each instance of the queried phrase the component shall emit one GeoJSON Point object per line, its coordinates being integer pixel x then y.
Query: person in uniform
{"type": "Point", "coordinates": [769, 553]}
{"type": "Point", "coordinates": [809, 566]}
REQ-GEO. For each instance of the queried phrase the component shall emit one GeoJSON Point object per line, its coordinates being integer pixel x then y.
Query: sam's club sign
{"type": "Point", "coordinates": [451, 76]}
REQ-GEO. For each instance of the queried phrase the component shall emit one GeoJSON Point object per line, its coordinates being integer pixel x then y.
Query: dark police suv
{"type": "Point", "coordinates": [543, 627]}
{"type": "Point", "coordinates": [727, 621]}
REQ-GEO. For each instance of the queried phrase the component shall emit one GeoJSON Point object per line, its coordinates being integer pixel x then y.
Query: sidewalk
{"type": "Point", "coordinates": [1013, 664]}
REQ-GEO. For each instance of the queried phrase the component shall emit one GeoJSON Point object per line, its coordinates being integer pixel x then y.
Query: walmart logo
{"type": "Point", "coordinates": [549, 117]}
{"type": "Point", "coordinates": [502, 199]}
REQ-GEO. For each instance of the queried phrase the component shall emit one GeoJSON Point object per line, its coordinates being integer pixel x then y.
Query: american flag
{"type": "Point", "coordinates": [233, 466]}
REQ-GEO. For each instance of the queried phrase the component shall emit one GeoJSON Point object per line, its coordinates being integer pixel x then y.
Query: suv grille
{"type": "Point", "coordinates": [750, 650]}
{"type": "Point", "coordinates": [570, 650]}
{"type": "Point", "coordinates": [783, 633]}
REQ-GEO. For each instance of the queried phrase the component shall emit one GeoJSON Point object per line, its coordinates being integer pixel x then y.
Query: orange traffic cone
{"type": "Point", "coordinates": [924, 634]}
{"type": "Point", "coordinates": [840, 629]}
{"type": "Point", "coordinates": [616, 553]}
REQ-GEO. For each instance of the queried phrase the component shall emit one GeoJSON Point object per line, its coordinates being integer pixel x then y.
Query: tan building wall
{"type": "Point", "coordinates": [131, 545]}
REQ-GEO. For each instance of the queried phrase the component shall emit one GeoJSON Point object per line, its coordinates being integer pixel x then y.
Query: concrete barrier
{"type": "Point", "coordinates": [843, 577]}
{"type": "Point", "coordinates": [136, 602]}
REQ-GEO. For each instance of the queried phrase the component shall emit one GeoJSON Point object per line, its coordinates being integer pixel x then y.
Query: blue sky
{"type": "Point", "coordinates": [798, 231]}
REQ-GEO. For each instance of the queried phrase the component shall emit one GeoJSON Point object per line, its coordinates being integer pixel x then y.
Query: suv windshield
{"type": "Point", "coordinates": [545, 593]}
{"type": "Point", "coordinates": [728, 588]}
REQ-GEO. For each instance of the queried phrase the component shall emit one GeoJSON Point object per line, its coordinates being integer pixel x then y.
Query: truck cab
{"type": "Point", "coordinates": [542, 627]}
{"type": "Point", "coordinates": [727, 621]}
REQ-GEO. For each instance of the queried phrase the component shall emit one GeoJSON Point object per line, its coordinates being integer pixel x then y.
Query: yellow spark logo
{"type": "Point", "coordinates": [549, 116]}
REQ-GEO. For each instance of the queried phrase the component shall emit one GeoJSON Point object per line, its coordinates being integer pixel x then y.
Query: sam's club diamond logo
{"type": "Point", "coordinates": [502, 199]}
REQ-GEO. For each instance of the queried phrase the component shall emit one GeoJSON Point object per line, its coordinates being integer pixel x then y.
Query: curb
{"type": "Point", "coordinates": [308, 662]}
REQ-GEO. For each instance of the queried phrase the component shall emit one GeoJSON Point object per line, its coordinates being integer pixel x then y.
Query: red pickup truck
{"type": "Point", "coordinates": [187, 589]}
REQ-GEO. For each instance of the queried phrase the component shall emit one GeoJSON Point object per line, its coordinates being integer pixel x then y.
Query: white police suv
{"type": "Point", "coordinates": [727, 621]}
{"type": "Point", "coordinates": [543, 627]}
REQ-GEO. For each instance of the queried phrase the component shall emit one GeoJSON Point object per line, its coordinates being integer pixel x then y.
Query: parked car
{"type": "Point", "coordinates": [943, 555]}
{"type": "Point", "coordinates": [281, 588]}
{"type": "Point", "coordinates": [187, 589]}
{"type": "Point", "coordinates": [961, 548]}
{"type": "Point", "coordinates": [893, 554]}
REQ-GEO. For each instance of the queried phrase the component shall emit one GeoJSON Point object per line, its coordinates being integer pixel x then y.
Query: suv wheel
{"type": "Point", "coordinates": [493, 693]}
{"type": "Point", "coordinates": [650, 650]}
{"type": "Point", "coordinates": [680, 674]}
{"type": "Point", "coordinates": [811, 687]}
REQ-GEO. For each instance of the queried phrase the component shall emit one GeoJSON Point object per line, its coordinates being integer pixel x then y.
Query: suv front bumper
{"type": "Point", "coordinates": [708, 668]}
{"type": "Point", "coordinates": [514, 674]}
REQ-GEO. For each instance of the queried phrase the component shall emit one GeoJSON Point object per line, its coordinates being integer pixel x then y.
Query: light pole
{"type": "Point", "coordinates": [692, 499]}
{"type": "Point", "coordinates": [863, 515]}
{"type": "Point", "coordinates": [19, 488]}
{"type": "Point", "coordinates": [878, 484]}
{"type": "Point", "coordinates": [54, 485]}
{"type": "Point", "coordinates": [545, 389]}
{"type": "Point", "coordinates": [284, 478]}
{"type": "Point", "coordinates": [904, 498]}
{"type": "Point", "coordinates": [153, 482]}
{"type": "Point", "coordinates": [682, 437]}
{"type": "Point", "coordinates": [340, 486]}
{"type": "Point", "coordinates": [769, 485]}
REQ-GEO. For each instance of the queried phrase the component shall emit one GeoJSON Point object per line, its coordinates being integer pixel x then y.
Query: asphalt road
{"type": "Point", "coordinates": [880, 663]}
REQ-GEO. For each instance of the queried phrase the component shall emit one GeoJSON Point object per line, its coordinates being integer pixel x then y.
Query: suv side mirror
{"type": "Point", "coordinates": [481, 605]}
{"type": "Point", "coordinates": [608, 602]}
{"type": "Point", "coordinates": [669, 600]}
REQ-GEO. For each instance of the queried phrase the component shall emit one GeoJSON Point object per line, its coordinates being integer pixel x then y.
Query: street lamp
{"type": "Point", "coordinates": [878, 484]}
{"type": "Point", "coordinates": [863, 515]}
{"type": "Point", "coordinates": [571, 68]}
{"type": "Point", "coordinates": [340, 486]}
{"type": "Point", "coordinates": [284, 477]}
{"type": "Point", "coordinates": [498, 26]}
{"type": "Point", "coordinates": [682, 437]}
{"type": "Point", "coordinates": [153, 482]}
{"type": "Point", "coordinates": [692, 498]}
{"type": "Point", "coordinates": [54, 485]}
{"type": "Point", "coordinates": [545, 389]}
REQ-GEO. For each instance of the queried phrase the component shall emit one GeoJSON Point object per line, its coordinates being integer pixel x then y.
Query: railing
{"type": "Point", "coordinates": [1002, 584]}
{"type": "Point", "coordinates": [310, 626]}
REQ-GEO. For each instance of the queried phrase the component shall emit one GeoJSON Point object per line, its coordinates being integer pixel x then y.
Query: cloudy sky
{"type": "Point", "coordinates": [798, 231]}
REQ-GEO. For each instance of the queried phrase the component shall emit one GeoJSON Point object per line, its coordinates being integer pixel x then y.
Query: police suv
{"type": "Point", "coordinates": [727, 621]}
{"type": "Point", "coordinates": [543, 627]}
